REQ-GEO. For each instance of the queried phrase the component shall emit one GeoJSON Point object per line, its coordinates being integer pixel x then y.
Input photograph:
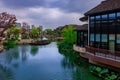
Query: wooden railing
{"type": "Point", "coordinates": [103, 52]}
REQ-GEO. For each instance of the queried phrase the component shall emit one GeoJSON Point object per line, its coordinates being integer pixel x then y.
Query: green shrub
{"type": "Point", "coordinates": [9, 44]}
{"type": "Point", "coordinates": [104, 73]}
{"type": "Point", "coordinates": [98, 69]}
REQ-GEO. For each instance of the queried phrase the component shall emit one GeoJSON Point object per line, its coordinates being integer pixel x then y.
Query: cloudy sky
{"type": "Point", "coordinates": [48, 13]}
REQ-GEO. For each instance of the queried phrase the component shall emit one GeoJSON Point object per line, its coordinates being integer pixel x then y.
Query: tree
{"type": "Point", "coordinates": [35, 32]}
{"type": "Point", "coordinates": [69, 35]}
{"type": "Point", "coordinates": [25, 30]}
{"type": "Point", "coordinates": [14, 31]}
{"type": "Point", "coordinates": [48, 31]}
{"type": "Point", "coordinates": [6, 21]}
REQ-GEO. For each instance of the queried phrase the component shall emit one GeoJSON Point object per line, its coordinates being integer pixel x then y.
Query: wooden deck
{"type": "Point", "coordinates": [105, 57]}
{"type": "Point", "coordinates": [102, 60]}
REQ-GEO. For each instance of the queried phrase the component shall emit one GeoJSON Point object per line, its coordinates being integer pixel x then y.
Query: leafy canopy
{"type": "Point", "coordinates": [35, 32]}
{"type": "Point", "coordinates": [69, 35]}
{"type": "Point", "coordinates": [48, 31]}
{"type": "Point", "coordinates": [14, 31]}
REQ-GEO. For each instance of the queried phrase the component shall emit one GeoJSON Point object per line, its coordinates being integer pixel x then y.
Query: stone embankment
{"type": "Point", "coordinates": [1, 48]}
{"type": "Point", "coordinates": [25, 41]}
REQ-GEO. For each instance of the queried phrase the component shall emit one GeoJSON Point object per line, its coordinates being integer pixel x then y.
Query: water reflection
{"type": "Point", "coordinates": [66, 63]}
{"type": "Point", "coordinates": [23, 51]}
{"type": "Point", "coordinates": [42, 63]}
{"type": "Point", "coordinates": [6, 73]}
{"type": "Point", "coordinates": [13, 54]}
{"type": "Point", "coordinates": [78, 65]}
{"type": "Point", "coordinates": [34, 50]}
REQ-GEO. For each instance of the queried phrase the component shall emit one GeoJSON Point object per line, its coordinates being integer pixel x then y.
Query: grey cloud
{"type": "Point", "coordinates": [59, 18]}
{"type": "Point", "coordinates": [23, 3]}
{"type": "Point", "coordinates": [49, 13]}
{"type": "Point", "coordinates": [66, 5]}
{"type": "Point", "coordinates": [80, 5]}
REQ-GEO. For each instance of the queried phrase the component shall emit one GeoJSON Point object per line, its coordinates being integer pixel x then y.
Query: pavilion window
{"type": "Point", "coordinates": [112, 23]}
{"type": "Point", "coordinates": [81, 36]}
{"type": "Point", "coordinates": [92, 18]}
{"type": "Point", "coordinates": [97, 37]}
{"type": "Point", "coordinates": [118, 14]}
{"type": "Point", "coordinates": [85, 38]}
{"type": "Point", "coordinates": [104, 24]}
{"type": "Point", "coordinates": [112, 42]}
{"type": "Point", "coordinates": [104, 41]}
{"type": "Point", "coordinates": [112, 37]}
{"type": "Point", "coordinates": [97, 24]}
{"type": "Point", "coordinates": [79, 40]}
{"type": "Point", "coordinates": [112, 26]}
{"type": "Point", "coordinates": [92, 39]}
{"type": "Point", "coordinates": [104, 37]}
{"type": "Point", "coordinates": [104, 17]}
{"type": "Point", "coordinates": [92, 22]}
{"type": "Point", "coordinates": [112, 16]}
{"type": "Point", "coordinates": [118, 23]}
{"type": "Point", "coordinates": [98, 18]}
{"type": "Point", "coordinates": [97, 42]}
{"type": "Point", "coordinates": [118, 42]}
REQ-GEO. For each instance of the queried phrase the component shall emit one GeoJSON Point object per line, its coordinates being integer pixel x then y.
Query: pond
{"type": "Point", "coordinates": [27, 62]}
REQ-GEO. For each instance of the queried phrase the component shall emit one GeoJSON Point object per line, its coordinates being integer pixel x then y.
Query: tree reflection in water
{"type": "Point", "coordinates": [6, 73]}
{"type": "Point", "coordinates": [78, 65]}
{"type": "Point", "coordinates": [67, 64]}
{"type": "Point", "coordinates": [34, 50]}
{"type": "Point", "coordinates": [15, 55]}
{"type": "Point", "coordinates": [12, 54]}
{"type": "Point", "coordinates": [24, 52]}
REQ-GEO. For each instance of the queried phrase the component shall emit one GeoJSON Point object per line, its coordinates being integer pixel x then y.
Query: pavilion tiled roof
{"type": "Point", "coordinates": [85, 18]}
{"type": "Point", "coordinates": [107, 5]}
{"type": "Point", "coordinates": [83, 27]}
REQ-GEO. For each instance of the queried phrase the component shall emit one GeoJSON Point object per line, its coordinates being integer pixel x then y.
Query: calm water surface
{"type": "Point", "coordinates": [40, 63]}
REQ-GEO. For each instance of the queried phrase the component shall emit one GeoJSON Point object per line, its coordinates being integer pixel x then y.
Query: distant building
{"type": "Point", "coordinates": [41, 27]}
{"type": "Point", "coordinates": [33, 26]}
{"type": "Point", "coordinates": [18, 24]}
{"type": "Point", "coordinates": [26, 26]}
{"type": "Point", "coordinates": [60, 28]}
{"type": "Point", "coordinates": [66, 26]}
